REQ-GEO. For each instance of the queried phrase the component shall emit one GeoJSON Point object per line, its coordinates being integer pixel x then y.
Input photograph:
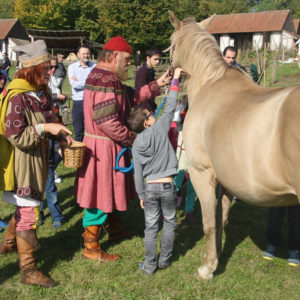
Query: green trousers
{"type": "Point", "coordinates": [95, 216]}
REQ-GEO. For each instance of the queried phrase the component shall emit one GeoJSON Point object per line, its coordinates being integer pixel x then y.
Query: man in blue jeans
{"type": "Point", "coordinates": [78, 73]}
{"type": "Point", "coordinates": [275, 220]}
{"type": "Point", "coordinates": [54, 156]}
{"type": "Point", "coordinates": [51, 190]}
{"type": "Point", "coordinates": [6, 66]}
{"type": "Point", "coordinates": [155, 160]}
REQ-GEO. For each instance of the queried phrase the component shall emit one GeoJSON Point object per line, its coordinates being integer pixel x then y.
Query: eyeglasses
{"type": "Point", "coordinates": [149, 115]}
{"type": "Point", "coordinates": [55, 67]}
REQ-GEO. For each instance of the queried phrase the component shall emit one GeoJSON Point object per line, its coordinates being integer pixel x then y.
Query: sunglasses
{"type": "Point", "coordinates": [53, 67]}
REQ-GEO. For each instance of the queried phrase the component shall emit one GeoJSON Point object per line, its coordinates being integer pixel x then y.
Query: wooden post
{"type": "Point", "coordinates": [274, 68]}
{"type": "Point", "coordinates": [265, 54]}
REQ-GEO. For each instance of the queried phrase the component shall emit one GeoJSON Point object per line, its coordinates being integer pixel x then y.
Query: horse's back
{"type": "Point", "coordinates": [242, 131]}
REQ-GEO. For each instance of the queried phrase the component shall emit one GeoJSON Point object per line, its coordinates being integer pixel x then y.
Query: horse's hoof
{"type": "Point", "coordinates": [204, 273]}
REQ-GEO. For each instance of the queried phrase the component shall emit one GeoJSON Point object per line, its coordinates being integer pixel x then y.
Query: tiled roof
{"type": "Point", "coordinates": [249, 22]}
{"type": "Point", "coordinates": [297, 25]}
{"type": "Point", "coordinates": [5, 27]}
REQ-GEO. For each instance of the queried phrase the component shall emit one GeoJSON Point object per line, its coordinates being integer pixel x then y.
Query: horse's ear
{"type": "Point", "coordinates": [174, 21]}
{"type": "Point", "coordinates": [204, 23]}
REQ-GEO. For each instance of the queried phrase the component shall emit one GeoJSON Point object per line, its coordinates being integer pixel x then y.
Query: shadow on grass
{"type": "Point", "coordinates": [65, 194]}
{"type": "Point", "coordinates": [244, 221]}
{"type": "Point", "coordinates": [187, 234]}
{"type": "Point", "coordinates": [62, 246]}
{"type": "Point", "coordinates": [8, 271]}
{"type": "Point", "coordinates": [68, 175]}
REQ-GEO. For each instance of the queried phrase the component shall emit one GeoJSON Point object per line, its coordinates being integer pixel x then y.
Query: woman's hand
{"type": "Point", "coordinates": [68, 139]}
{"type": "Point", "coordinates": [57, 129]}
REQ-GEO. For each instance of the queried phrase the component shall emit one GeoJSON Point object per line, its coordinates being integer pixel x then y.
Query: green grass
{"type": "Point", "coordinates": [242, 273]}
{"type": "Point", "coordinates": [286, 75]}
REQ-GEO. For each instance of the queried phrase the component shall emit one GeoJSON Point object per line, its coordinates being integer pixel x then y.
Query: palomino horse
{"type": "Point", "coordinates": [237, 134]}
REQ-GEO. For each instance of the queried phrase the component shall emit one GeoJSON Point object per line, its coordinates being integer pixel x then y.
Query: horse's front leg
{"type": "Point", "coordinates": [205, 186]}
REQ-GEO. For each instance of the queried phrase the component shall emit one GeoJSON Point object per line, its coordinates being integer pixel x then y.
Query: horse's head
{"type": "Point", "coordinates": [178, 26]}
{"type": "Point", "coordinates": [196, 51]}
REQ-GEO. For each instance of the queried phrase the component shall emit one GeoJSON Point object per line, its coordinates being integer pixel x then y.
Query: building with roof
{"type": "Point", "coordinates": [63, 41]}
{"type": "Point", "coordinates": [297, 26]}
{"type": "Point", "coordinates": [12, 33]}
{"type": "Point", "coordinates": [252, 30]}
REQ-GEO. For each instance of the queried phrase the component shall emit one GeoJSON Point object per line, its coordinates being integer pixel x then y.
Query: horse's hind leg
{"type": "Point", "coordinates": [204, 184]}
{"type": "Point", "coordinates": [223, 206]}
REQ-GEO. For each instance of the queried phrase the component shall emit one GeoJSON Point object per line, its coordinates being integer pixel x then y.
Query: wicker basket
{"type": "Point", "coordinates": [73, 155]}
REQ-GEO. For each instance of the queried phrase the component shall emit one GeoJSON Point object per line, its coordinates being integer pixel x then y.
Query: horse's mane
{"type": "Point", "coordinates": [198, 53]}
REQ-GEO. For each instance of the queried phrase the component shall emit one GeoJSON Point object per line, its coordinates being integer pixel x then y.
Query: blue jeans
{"type": "Point", "coordinates": [51, 190]}
{"type": "Point", "coordinates": [78, 121]}
{"type": "Point", "coordinates": [5, 72]}
{"type": "Point", "coordinates": [276, 215]}
{"type": "Point", "coordinates": [159, 197]}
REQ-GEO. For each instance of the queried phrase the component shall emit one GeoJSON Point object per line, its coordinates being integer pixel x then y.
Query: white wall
{"type": "Point", "coordinates": [3, 49]}
{"type": "Point", "coordinates": [287, 40]}
{"type": "Point", "coordinates": [224, 41]}
{"type": "Point", "coordinates": [12, 55]}
{"type": "Point", "coordinates": [275, 40]}
{"type": "Point", "coordinates": [257, 40]}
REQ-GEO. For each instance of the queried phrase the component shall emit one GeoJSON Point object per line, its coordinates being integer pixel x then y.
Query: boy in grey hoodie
{"type": "Point", "coordinates": [155, 160]}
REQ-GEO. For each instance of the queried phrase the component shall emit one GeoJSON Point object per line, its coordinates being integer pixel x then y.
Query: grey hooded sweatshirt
{"type": "Point", "coordinates": [153, 154]}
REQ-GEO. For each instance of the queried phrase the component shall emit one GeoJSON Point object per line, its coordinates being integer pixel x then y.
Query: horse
{"type": "Point", "coordinates": [237, 134]}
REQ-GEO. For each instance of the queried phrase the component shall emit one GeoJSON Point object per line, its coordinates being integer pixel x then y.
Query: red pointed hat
{"type": "Point", "coordinates": [117, 43]}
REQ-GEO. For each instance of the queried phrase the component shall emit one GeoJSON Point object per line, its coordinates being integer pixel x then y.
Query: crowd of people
{"type": "Point", "coordinates": [108, 115]}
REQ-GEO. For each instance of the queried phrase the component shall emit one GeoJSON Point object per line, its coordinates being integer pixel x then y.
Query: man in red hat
{"type": "Point", "coordinates": [101, 190]}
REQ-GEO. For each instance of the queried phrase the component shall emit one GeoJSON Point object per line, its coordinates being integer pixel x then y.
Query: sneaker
{"type": "Point", "coordinates": [163, 266]}
{"type": "Point", "coordinates": [190, 217]}
{"type": "Point", "coordinates": [269, 252]}
{"type": "Point", "coordinates": [293, 260]}
{"type": "Point", "coordinates": [56, 178]}
{"type": "Point", "coordinates": [142, 268]}
{"type": "Point", "coordinates": [58, 224]}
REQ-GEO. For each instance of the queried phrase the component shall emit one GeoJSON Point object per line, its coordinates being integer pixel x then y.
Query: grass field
{"type": "Point", "coordinates": [242, 273]}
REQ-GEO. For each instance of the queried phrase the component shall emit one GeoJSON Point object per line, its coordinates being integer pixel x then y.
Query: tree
{"type": "Point", "coordinates": [88, 19]}
{"type": "Point", "coordinates": [46, 14]}
{"type": "Point", "coordinates": [143, 23]}
{"type": "Point", "coordinates": [293, 5]}
{"type": "Point", "coordinates": [60, 14]}
{"type": "Point", "coordinates": [6, 10]}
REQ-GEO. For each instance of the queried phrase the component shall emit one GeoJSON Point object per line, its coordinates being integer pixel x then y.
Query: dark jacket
{"type": "Point", "coordinates": [143, 76]}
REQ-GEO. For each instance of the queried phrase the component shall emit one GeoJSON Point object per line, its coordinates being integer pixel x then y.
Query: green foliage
{"type": "Point", "coordinates": [143, 25]}
{"type": "Point", "coordinates": [293, 5]}
{"type": "Point", "coordinates": [46, 14]}
{"type": "Point", "coordinates": [88, 14]}
{"type": "Point", "coordinates": [6, 10]}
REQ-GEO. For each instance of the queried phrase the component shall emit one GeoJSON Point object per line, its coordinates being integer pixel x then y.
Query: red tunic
{"type": "Point", "coordinates": [107, 103]}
